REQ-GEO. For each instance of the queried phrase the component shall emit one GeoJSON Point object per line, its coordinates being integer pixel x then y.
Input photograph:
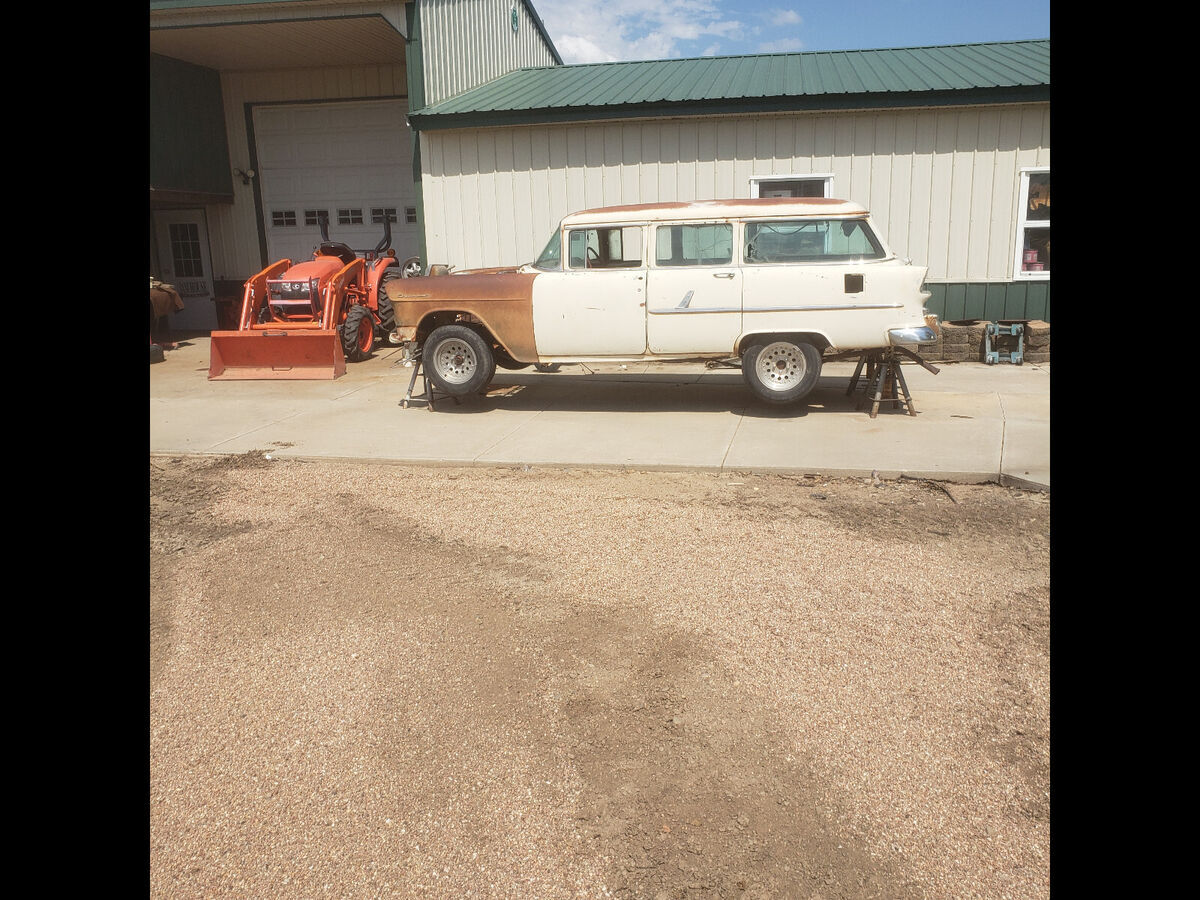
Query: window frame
{"type": "Point", "coordinates": [1024, 223]}
{"type": "Point", "coordinates": [565, 251]}
{"type": "Point", "coordinates": [757, 181]}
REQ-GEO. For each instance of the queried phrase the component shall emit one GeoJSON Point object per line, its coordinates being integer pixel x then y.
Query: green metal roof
{"type": "Point", "coordinates": [846, 79]}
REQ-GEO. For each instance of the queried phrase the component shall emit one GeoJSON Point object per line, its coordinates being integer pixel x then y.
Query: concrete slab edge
{"type": "Point", "coordinates": [825, 472]}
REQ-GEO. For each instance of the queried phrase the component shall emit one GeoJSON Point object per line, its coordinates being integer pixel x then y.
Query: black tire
{"type": "Point", "coordinates": [782, 370]}
{"type": "Point", "coordinates": [387, 313]}
{"type": "Point", "coordinates": [359, 323]}
{"type": "Point", "coordinates": [458, 360]}
{"type": "Point", "coordinates": [504, 361]}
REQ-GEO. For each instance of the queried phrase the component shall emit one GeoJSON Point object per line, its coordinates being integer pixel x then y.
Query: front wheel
{"type": "Point", "coordinates": [358, 333]}
{"type": "Point", "coordinates": [781, 371]}
{"type": "Point", "coordinates": [458, 360]}
{"type": "Point", "coordinates": [411, 267]}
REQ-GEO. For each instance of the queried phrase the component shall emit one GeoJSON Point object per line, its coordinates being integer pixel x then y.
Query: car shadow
{"type": "Point", "coordinates": [644, 393]}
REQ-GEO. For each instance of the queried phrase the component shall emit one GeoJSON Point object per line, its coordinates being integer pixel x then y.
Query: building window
{"type": "Point", "coordinates": [283, 218]}
{"type": "Point", "coordinates": [410, 215]}
{"type": "Point", "coordinates": [377, 214]}
{"type": "Point", "coordinates": [791, 185]}
{"type": "Point", "coordinates": [313, 216]}
{"type": "Point", "coordinates": [1033, 226]}
{"type": "Point", "coordinates": [350, 217]}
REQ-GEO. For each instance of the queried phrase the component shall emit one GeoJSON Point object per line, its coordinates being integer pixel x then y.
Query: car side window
{"type": "Point", "coordinates": [605, 248]}
{"type": "Point", "coordinates": [810, 240]}
{"type": "Point", "coordinates": [693, 245]}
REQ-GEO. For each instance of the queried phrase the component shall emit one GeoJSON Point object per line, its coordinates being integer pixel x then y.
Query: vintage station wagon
{"type": "Point", "coordinates": [772, 284]}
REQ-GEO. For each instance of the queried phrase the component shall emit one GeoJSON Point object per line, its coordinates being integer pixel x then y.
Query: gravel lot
{"type": "Point", "coordinates": [372, 680]}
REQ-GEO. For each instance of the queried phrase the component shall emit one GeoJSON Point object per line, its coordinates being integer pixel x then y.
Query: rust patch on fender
{"type": "Point", "coordinates": [503, 301]}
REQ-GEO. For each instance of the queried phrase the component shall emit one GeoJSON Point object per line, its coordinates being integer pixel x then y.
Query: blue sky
{"type": "Point", "coordinates": [610, 30]}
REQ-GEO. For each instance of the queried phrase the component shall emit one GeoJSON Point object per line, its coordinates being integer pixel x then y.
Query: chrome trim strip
{"type": "Point", "coordinates": [679, 309]}
{"type": "Point", "coordinates": [750, 309]}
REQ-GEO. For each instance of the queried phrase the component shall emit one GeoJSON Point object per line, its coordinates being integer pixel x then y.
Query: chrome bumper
{"type": "Point", "coordinates": [920, 335]}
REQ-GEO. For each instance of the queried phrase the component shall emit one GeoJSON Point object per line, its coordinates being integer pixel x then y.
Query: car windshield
{"type": "Point", "coordinates": [551, 257]}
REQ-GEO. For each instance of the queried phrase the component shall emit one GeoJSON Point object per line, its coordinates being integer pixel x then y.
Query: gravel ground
{"type": "Point", "coordinates": [372, 680]}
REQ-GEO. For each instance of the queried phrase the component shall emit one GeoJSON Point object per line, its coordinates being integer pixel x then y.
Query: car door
{"type": "Point", "coordinates": [596, 304]}
{"type": "Point", "coordinates": [694, 293]}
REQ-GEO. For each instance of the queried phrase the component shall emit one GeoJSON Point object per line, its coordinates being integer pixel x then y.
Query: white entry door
{"type": "Point", "coordinates": [184, 261]}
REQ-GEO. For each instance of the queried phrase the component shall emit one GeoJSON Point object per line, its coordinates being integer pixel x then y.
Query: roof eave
{"type": "Point", "coordinates": [429, 120]}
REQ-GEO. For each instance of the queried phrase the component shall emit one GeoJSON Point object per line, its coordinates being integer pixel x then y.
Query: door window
{"type": "Point", "coordinates": [185, 250]}
{"type": "Point", "coordinates": [693, 245]}
{"type": "Point", "coordinates": [605, 248]}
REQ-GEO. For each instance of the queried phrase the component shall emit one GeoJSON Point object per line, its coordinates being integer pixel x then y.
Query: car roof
{"type": "Point", "coordinates": [757, 207]}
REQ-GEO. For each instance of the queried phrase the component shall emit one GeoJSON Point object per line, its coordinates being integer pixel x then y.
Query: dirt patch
{"type": "Point", "coordinates": [377, 680]}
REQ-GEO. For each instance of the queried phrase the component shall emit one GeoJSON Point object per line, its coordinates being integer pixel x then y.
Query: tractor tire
{"type": "Point", "coordinates": [358, 333]}
{"type": "Point", "coordinates": [387, 313]}
{"type": "Point", "coordinates": [458, 360]}
{"type": "Point", "coordinates": [781, 371]}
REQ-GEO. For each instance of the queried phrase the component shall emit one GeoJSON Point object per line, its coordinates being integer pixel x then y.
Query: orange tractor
{"type": "Point", "coordinates": [304, 320]}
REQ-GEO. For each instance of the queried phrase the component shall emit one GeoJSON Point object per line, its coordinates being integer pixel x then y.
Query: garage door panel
{"type": "Point", "coordinates": [354, 155]}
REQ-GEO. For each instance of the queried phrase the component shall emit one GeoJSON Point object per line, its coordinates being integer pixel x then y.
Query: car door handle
{"type": "Point", "coordinates": [722, 274]}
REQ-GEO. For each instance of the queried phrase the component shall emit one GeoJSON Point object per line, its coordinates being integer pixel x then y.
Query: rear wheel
{"type": "Point", "coordinates": [781, 371]}
{"type": "Point", "coordinates": [458, 360]}
{"type": "Point", "coordinates": [358, 333]}
{"type": "Point", "coordinates": [387, 313]}
{"type": "Point", "coordinates": [411, 267]}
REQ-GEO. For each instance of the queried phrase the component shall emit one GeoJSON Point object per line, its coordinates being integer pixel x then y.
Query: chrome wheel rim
{"type": "Point", "coordinates": [454, 361]}
{"type": "Point", "coordinates": [781, 366]}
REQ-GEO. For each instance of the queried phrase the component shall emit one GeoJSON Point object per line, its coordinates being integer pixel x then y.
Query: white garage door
{"type": "Point", "coordinates": [350, 160]}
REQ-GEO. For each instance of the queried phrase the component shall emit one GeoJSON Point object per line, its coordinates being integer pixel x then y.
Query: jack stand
{"type": "Point", "coordinates": [884, 379]}
{"type": "Point", "coordinates": [418, 368]}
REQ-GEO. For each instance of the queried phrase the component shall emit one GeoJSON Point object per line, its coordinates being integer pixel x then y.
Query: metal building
{"type": "Point", "coordinates": [456, 119]}
{"type": "Point", "coordinates": [948, 146]}
{"type": "Point", "coordinates": [265, 114]}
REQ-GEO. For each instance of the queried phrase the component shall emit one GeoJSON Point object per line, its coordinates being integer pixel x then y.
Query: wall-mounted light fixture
{"type": "Point", "coordinates": [246, 174]}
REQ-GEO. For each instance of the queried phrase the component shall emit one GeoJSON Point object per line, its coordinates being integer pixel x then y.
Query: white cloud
{"type": "Point", "coordinates": [784, 17]}
{"type": "Point", "coordinates": [629, 29]}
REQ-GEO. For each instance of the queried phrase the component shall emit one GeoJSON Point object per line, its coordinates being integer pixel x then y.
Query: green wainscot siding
{"type": "Point", "coordinates": [990, 302]}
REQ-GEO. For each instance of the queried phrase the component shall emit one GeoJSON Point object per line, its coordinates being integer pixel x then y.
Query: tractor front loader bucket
{"type": "Point", "coordinates": [284, 354]}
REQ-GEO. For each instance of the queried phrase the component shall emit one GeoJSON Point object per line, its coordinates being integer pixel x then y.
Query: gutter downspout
{"type": "Point", "coordinates": [414, 70]}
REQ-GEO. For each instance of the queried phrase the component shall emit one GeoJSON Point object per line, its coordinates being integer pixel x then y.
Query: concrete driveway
{"type": "Point", "coordinates": [975, 423]}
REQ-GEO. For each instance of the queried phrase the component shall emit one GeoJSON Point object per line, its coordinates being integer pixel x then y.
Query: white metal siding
{"type": "Point", "coordinates": [942, 184]}
{"type": "Point", "coordinates": [465, 43]}
{"type": "Point", "coordinates": [234, 229]}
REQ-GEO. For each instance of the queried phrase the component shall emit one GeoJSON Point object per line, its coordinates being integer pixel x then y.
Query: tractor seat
{"type": "Point", "coordinates": [338, 249]}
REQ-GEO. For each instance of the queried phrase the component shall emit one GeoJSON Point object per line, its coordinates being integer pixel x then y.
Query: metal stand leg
{"type": "Point", "coordinates": [427, 389]}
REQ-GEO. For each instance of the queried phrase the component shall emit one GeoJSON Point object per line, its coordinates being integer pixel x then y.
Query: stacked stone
{"type": "Point", "coordinates": [962, 340]}
{"type": "Point", "coordinates": [1037, 341]}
